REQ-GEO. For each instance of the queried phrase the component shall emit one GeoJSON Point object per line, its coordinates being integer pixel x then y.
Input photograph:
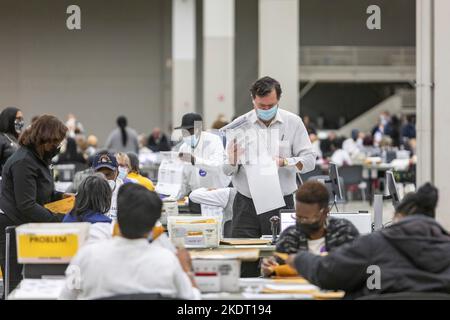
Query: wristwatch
{"type": "Point", "coordinates": [285, 162]}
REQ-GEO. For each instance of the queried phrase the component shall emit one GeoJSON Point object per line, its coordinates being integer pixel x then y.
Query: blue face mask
{"type": "Point", "coordinates": [266, 115]}
{"type": "Point", "coordinates": [123, 173]}
{"type": "Point", "coordinates": [191, 141]}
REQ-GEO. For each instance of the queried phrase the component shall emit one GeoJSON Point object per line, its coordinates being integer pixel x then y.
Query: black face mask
{"type": "Point", "coordinates": [49, 155]}
{"type": "Point", "coordinates": [309, 228]}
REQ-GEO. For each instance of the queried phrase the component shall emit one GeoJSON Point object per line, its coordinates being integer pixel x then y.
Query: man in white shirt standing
{"type": "Point", "coordinates": [296, 155]}
{"type": "Point", "coordinates": [203, 153]}
{"type": "Point", "coordinates": [128, 264]}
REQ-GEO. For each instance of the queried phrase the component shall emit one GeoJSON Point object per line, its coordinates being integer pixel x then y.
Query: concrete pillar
{"type": "Point", "coordinates": [183, 59]}
{"type": "Point", "coordinates": [441, 112]}
{"type": "Point", "coordinates": [424, 89]}
{"type": "Point", "coordinates": [433, 98]}
{"type": "Point", "coordinates": [218, 59]}
{"type": "Point", "coordinates": [279, 47]}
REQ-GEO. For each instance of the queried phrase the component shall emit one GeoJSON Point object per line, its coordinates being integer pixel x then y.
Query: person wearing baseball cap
{"type": "Point", "coordinates": [106, 163]}
{"type": "Point", "coordinates": [203, 154]}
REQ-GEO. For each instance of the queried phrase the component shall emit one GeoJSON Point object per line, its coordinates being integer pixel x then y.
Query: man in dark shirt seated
{"type": "Point", "coordinates": [314, 231]}
{"type": "Point", "coordinates": [158, 141]}
{"type": "Point", "coordinates": [411, 255]}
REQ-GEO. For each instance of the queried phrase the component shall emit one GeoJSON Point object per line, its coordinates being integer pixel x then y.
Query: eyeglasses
{"type": "Point", "coordinates": [308, 220]}
{"type": "Point", "coordinates": [304, 220]}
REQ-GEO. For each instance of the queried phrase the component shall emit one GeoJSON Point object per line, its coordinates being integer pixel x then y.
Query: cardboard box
{"type": "Point", "coordinates": [194, 232]}
{"type": "Point", "coordinates": [216, 275]}
{"type": "Point", "coordinates": [50, 242]}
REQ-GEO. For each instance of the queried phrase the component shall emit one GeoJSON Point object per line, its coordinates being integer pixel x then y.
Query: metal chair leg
{"type": "Point", "coordinates": [6, 283]}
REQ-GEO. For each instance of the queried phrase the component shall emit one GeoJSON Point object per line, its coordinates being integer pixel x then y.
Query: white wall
{"type": "Point", "coordinates": [115, 65]}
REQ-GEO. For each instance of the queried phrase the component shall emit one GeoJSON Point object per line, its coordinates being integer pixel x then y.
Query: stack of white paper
{"type": "Point", "coordinates": [39, 289]}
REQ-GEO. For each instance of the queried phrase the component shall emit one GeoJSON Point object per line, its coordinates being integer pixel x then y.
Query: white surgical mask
{"type": "Point", "coordinates": [123, 172]}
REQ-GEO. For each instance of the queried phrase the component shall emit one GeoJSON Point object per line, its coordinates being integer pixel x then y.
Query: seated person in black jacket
{"type": "Point", "coordinates": [314, 231]}
{"type": "Point", "coordinates": [411, 255]}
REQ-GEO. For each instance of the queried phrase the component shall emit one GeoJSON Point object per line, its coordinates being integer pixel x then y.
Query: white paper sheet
{"type": "Point", "coordinates": [265, 187]}
{"type": "Point", "coordinates": [170, 175]}
{"type": "Point", "coordinates": [260, 147]}
{"type": "Point", "coordinates": [262, 175]}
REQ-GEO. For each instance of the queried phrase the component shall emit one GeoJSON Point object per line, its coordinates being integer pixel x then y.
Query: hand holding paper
{"type": "Point", "coordinates": [187, 157]}
{"type": "Point", "coordinates": [280, 161]}
{"type": "Point", "coordinates": [234, 152]}
{"type": "Point", "coordinates": [268, 265]}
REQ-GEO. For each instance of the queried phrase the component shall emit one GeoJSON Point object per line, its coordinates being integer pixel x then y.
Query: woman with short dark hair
{"type": "Point", "coordinates": [11, 125]}
{"type": "Point", "coordinates": [92, 202]}
{"type": "Point", "coordinates": [27, 184]}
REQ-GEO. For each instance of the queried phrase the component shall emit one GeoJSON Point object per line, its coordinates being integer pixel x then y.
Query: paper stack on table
{"type": "Point", "coordinates": [244, 241]}
{"type": "Point", "coordinates": [290, 288]}
{"type": "Point", "coordinates": [48, 289]}
{"type": "Point", "coordinates": [277, 296]}
{"type": "Point", "coordinates": [241, 254]}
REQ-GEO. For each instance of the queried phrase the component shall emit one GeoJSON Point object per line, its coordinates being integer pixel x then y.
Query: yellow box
{"type": "Point", "coordinates": [50, 242]}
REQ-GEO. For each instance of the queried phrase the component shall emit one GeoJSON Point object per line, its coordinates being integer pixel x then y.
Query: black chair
{"type": "Point", "coordinates": [353, 176]}
{"type": "Point", "coordinates": [9, 234]}
{"type": "Point", "coordinates": [140, 296]}
{"type": "Point", "coordinates": [408, 296]}
{"type": "Point", "coordinates": [329, 187]}
{"type": "Point", "coordinates": [316, 172]}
